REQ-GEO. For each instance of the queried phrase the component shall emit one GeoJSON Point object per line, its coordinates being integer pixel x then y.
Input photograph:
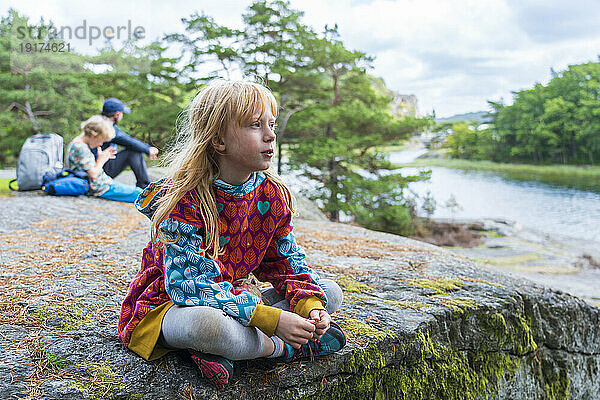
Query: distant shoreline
{"type": "Point", "coordinates": [457, 163]}
{"type": "Point", "coordinates": [581, 177]}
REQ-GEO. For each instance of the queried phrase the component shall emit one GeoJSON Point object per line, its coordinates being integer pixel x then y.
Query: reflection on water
{"type": "Point", "coordinates": [406, 156]}
{"type": "Point", "coordinates": [573, 182]}
{"type": "Point", "coordinates": [535, 205]}
{"type": "Point", "coordinates": [481, 194]}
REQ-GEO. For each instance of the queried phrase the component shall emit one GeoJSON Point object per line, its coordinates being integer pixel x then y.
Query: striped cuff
{"type": "Point", "coordinates": [265, 318]}
{"type": "Point", "coordinates": [307, 304]}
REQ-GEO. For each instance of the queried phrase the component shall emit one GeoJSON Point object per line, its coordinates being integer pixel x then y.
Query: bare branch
{"type": "Point", "coordinates": [14, 105]}
{"type": "Point", "coordinates": [36, 113]}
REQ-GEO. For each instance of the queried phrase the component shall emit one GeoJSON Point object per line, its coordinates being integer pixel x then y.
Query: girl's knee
{"type": "Point", "coordinates": [334, 294]}
{"type": "Point", "coordinates": [198, 324]}
{"type": "Point", "coordinates": [209, 325]}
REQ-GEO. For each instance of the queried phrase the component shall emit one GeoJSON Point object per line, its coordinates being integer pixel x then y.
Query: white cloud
{"type": "Point", "coordinates": [453, 54]}
{"type": "Point", "coordinates": [555, 21]}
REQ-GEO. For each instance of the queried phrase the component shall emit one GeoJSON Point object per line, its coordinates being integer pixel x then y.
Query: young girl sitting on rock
{"type": "Point", "coordinates": [221, 215]}
{"type": "Point", "coordinates": [96, 131]}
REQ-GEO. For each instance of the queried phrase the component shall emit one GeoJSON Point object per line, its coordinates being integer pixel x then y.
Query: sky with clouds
{"type": "Point", "coordinates": [454, 55]}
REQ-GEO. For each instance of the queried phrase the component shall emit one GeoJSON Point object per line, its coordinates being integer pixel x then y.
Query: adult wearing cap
{"type": "Point", "coordinates": [132, 153]}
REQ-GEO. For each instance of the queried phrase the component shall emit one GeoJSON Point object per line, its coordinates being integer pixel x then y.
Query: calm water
{"type": "Point", "coordinates": [551, 209]}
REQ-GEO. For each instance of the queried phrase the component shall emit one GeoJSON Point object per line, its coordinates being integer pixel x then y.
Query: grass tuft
{"type": "Point", "coordinates": [4, 189]}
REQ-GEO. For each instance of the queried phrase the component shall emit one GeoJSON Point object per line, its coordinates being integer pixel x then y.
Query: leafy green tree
{"type": "Point", "coordinates": [207, 43]}
{"type": "Point", "coordinates": [40, 90]}
{"type": "Point", "coordinates": [554, 123]}
{"type": "Point", "coordinates": [271, 48]}
{"type": "Point", "coordinates": [470, 141]}
{"type": "Point", "coordinates": [579, 89]}
{"type": "Point", "coordinates": [148, 81]}
{"type": "Point", "coordinates": [338, 140]}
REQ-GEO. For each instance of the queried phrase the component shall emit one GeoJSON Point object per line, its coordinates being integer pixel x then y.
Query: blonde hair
{"type": "Point", "coordinates": [99, 127]}
{"type": "Point", "coordinates": [192, 160]}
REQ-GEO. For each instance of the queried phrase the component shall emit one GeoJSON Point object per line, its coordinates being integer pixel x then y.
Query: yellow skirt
{"type": "Point", "coordinates": [144, 338]}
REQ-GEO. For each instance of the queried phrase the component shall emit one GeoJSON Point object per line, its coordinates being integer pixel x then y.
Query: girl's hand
{"type": "Point", "coordinates": [322, 320]}
{"type": "Point", "coordinates": [153, 155]}
{"type": "Point", "coordinates": [105, 155]}
{"type": "Point", "coordinates": [293, 329]}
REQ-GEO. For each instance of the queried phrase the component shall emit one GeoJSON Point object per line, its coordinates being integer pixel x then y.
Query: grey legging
{"type": "Point", "coordinates": [210, 330]}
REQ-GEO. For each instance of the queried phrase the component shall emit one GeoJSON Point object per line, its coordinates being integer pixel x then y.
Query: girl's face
{"type": "Point", "coordinates": [247, 149]}
{"type": "Point", "coordinates": [93, 141]}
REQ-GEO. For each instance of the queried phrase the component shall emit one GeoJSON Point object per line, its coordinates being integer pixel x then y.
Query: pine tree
{"type": "Point", "coordinates": [148, 82]}
{"type": "Point", "coordinates": [40, 90]}
{"type": "Point", "coordinates": [339, 140]}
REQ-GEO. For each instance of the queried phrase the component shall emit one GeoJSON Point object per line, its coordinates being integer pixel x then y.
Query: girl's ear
{"type": "Point", "coordinates": [218, 144]}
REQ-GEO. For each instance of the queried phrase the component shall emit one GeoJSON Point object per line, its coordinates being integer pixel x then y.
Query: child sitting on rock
{"type": "Point", "coordinates": [221, 215]}
{"type": "Point", "coordinates": [96, 131]}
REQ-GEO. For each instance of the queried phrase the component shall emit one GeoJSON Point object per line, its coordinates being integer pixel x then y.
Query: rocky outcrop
{"type": "Point", "coordinates": [401, 105]}
{"type": "Point", "coordinates": [557, 261]}
{"type": "Point", "coordinates": [405, 105]}
{"type": "Point", "coordinates": [422, 322]}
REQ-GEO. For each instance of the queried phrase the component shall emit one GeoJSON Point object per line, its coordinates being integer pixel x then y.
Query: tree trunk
{"type": "Point", "coordinates": [573, 147]}
{"type": "Point", "coordinates": [279, 145]}
{"type": "Point", "coordinates": [30, 114]}
{"type": "Point", "coordinates": [336, 88]}
{"type": "Point", "coordinates": [34, 122]}
{"type": "Point", "coordinates": [281, 126]}
{"type": "Point", "coordinates": [281, 134]}
{"type": "Point", "coordinates": [334, 214]}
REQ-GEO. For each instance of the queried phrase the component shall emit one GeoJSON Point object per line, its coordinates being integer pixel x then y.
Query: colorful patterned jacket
{"type": "Point", "coordinates": [256, 235]}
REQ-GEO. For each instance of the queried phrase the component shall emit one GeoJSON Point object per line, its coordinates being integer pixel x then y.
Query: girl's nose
{"type": "Point", "coordinates": [269, 134]}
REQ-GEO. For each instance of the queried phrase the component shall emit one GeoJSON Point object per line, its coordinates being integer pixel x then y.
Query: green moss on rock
{"type": "Point", "coordinates": [522, 336]}
{"type": "Point", "coordinates": [428, 369]}
{"type": "Point", "coordinates": [358, 298]}
{"type": "Point", "coordinates": [457, 305]}
{"type": "Point", "coordinates": [98, 380]}
{"type": "Point", "coordinates": [481, 281]}
{"type": "Point", "coordinates": [355, 328]}
{"type": "Point", "coordinates": [511, 332]}
{"type": "Point", "coordinates": [353, 286]}
{"type": "Point", "coordinates": [441, 286]}
{"type": "Point", "coordinates": [364, 359]}
{"type": "Point", "coordinates": [555, 380]}
{"type": "Point", "coordinates": [404, 304]}
{"type": "Point", "coordinates": [62, 316]}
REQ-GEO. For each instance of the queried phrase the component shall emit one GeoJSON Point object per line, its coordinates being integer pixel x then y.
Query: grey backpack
{"type": "Point", "coordinates": [40, 153]}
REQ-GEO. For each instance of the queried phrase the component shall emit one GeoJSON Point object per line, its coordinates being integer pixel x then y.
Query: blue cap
{"type": "Point", "coordinates": [113, 105]}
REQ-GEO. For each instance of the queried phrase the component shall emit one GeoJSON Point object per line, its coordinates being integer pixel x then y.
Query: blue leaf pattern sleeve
{"type": "Point", "coordinates": [289, 249]}
{"type": "Point", "coordinates": [288, 272]}
{"type": "Point", "coordinates": [190, 276]}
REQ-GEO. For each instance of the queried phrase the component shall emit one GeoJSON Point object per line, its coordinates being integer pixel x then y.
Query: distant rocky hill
{"type": "Point", "coordinates": [478, 116]}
